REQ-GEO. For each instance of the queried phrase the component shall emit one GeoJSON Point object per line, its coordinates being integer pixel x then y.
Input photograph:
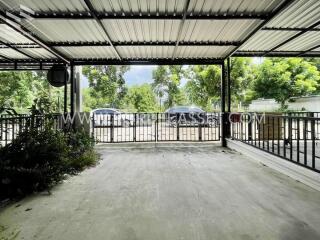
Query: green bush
{"type": "Point", "coordinates": [38, 159]}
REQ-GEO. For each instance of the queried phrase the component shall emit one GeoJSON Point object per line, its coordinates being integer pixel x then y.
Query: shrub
{"type": "Point", "coordinates": [38, 159]}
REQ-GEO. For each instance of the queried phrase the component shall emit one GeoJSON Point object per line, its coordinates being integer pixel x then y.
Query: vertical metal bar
{"type": "Point", "coordinates": [72, 88]}
{"type": "Point", "coordinates": [290, 136]}
{"type": "Point", "coordinates": [268, 134]}
{"type": "Point", "coordinates": [284, 137]}
{"type": "Point", "coordinates": [223, 106]}
{"type": "Point", "coordinates": [305, 129]}
{"type": "Point", "coordinates": [298, 140]}
{"type": "Point", "coordinates": [112, 128]}
{"type": "Point", "coordinates": [157, 128]}
{"type": "Point", "coordinates": [135, 128]}
{"type": "Point", "coordinates": [278, 135]}
{"type": "Point", "coordinates": [178, 132]}
{"type": "Point", "coordinates": [229, 83]}
{"type": "Point", "coordinates": [65, 100]}
{"type": "Point", "coordinates": [313, 142]}
{"type": "Point", "coordinates": [273, 134]}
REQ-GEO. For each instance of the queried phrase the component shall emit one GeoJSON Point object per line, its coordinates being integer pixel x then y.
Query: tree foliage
{"type": "Point", "coordinates": [107, 84]}
{"type": "Point", "coordinates": [242, 75]}
{"type": "Point", "coordinates": [284, 78]}
{"type": "Point", "coordinates": [141, 99]}
{"type": "Point", "coordinates": [166, 83]}
{"type": "Point", "coordinates": [21, 90]}
{"type": "Point", "coordinates": [203, 86]}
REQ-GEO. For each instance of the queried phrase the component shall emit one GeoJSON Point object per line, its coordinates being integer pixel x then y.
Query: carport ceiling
{"type": "Point", "coordinates": [155, 31]}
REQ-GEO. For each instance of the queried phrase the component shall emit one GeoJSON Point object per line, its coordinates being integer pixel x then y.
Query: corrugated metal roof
{"type": "Point", "coordinates": [140, 6]}
{"type": "Point", "coordinates": [304, 42]}
{"type": "Point", "coordinates": [39, 53]}
{"type": "Point", "coordinates": [167, 30]}
{"type": "Point", "coordinates": [88, 52]}
{"type": "Point", "coordinates": [203, 51]}
{"type": "Point", "coordinates": [302, 13]}
{"type": "Point", "coordinates": [316, 50]}
{"type": "Point", "coordinates": [67, 30]}
{"type": "Point", "coordinates": [232, 6]}
{"type": "Point", "coordinates": [147, 52]}
{"type": "Point", "coordinates": [8, 35]}
{"type": "Point", "coordinates": [266, 40]}
{"type": "Point", "coordinates": [177, 6]}
{"type": "Point", "coordinates": [142, 30]}
{"type": "Point", "coordinates": [46, 5]}
{"type": "Point", "coordinates": [217, 30]}
{"type": "Point", "coordinates": [10, 53]}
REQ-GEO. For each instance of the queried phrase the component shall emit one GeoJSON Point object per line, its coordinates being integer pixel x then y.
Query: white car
{"type": "Point", "coordinates": [107, 117]}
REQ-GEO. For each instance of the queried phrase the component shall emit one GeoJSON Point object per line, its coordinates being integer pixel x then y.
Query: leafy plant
{"type": "Point", "coordinates": [38, 159]}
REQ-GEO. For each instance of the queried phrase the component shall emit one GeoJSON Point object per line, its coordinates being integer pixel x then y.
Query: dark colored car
{"type": "Point", "coordinates": [111, 117]}
{"type": "Point", "coordinates": [186, 115]}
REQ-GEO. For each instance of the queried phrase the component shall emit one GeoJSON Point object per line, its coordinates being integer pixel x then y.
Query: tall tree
{"type": "Point", "coordinates": [283, 78]}
{"type": "Point", "coordinates": [242, 75]}
{"type": "Point", "coordinates": [141, 98]}
{"type": "Point", "coordinates": [166, 83]}
{"type": "Point", "coordinates": [107, 84]}
{"type": "Point", "coordinates": [203, 86]}
{"type": "Point", "coordinates": [21, 90]}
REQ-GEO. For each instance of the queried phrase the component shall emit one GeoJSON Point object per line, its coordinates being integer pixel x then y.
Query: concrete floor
{"type": "Point", "coordinates": [169, 193]}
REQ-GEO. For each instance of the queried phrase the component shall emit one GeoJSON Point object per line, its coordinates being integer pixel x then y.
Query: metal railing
{"type": "Point", "coordinates": [292, 137]}
{"type": "Point", "coordinates": [12, 126]}
{"type": "Point", "coordinates": [154, 127]}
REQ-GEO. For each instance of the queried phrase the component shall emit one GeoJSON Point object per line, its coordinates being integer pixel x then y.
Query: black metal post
{"type": "Point", "coordinates": [228, 134]}
{"type": "Point", "coordinates": [229, 83]}
{"type": "Point", "coordinates": [72, 89]}
{"type": "Point", "coordinates": [65, 100]}
{"type": "Point", "coordinates": [224, 116]}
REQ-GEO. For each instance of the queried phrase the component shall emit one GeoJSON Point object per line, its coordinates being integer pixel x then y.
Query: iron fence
{"type": "Point", "coordinates": [293, 137]}
{"type": "Point", "coordinates": [154, 127]}
{"type": "Point", "coordinates": [12, 126]}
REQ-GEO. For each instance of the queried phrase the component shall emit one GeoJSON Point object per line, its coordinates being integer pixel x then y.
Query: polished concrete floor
{"type": "Point", "coordinates": [199, 192]}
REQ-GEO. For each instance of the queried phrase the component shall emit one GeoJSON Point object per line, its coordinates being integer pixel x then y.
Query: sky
{"type": "Point", "coordinates": [140, 74]}
{"type": "Point", "coordinates": [137, 75]}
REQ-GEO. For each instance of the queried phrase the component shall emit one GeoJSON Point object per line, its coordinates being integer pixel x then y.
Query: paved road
{"type": "Point", "coordinates": [169, 193]}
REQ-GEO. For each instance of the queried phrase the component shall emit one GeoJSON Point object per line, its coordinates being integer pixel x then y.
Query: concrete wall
{"type": "Point", "coordinates": [311, 104]}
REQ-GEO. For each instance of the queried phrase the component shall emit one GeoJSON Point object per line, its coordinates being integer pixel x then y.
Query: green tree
{"type": "Point", "coordinates": [166, 83]}
{"type": "Point", "coordinates": [141, 99]}
{"type": "Point", "coordinates": [242, 75]}
{"type": "Point", "coordinates": [107, 85]}
{"type": "Point", "coordinates": [283, 78]}
{"type": "Point", "coordinates": [203, 86]}
{"type": "Point", "coordinates": [21, 90]}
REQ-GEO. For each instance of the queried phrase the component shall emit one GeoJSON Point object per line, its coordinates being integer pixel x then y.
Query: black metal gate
{"type": "Point", "coordinates": [153, 127]}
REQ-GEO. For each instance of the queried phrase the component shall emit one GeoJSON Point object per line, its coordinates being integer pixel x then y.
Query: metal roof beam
{"type": "Point", "coordinates": [20, 45]}
{"type": "Point", "coordinates": [6, 58]}
{"type": "Point", "coordinates": [194, 61]}
{"type": "Point", "coordinates": [92, 44]}
{"type": "Point", "coordinates": [275, 54]}
{"type": "Point", "coordinates": [138, 16]}
{"type": "Point", "coordinates": [277, 11]}
{"type": "Point", "coordinates": [293, 37]}
{"type": "Point", "coordinates": [289, 29]}
{"type": "Point", "coordinates": [308, 50]}
{"type": "Point", "coordinates": [18, 50]}
{"type": "Point", "coordinates": [184, 17]}
{"type": "Point", "coordinates": [12, 23]}
{"type": "Point", "coordinates": [93, 13]}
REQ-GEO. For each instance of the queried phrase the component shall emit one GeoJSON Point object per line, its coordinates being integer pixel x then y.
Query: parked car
{"type": "Point", "coordinates": [190, 115]}
{"type": "Point", "coordinates": [107, 117]}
